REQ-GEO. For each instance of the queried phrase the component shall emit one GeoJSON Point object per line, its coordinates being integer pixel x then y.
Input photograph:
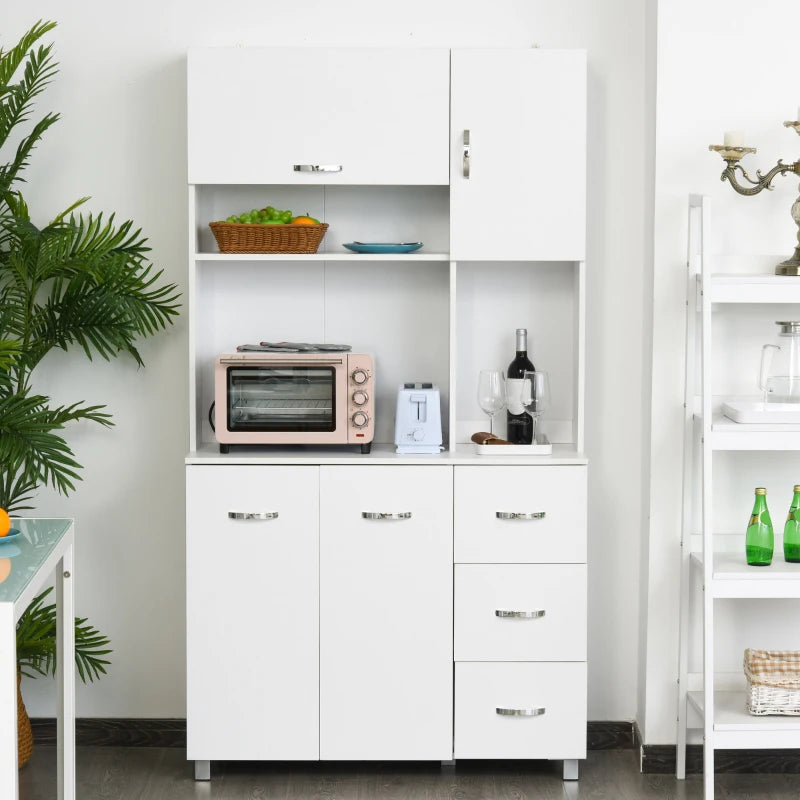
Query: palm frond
{"type": "Point", "coordinates": [36, 643]}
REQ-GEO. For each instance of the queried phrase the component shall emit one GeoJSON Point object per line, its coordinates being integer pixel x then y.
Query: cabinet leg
{"type": "Point", "coordinates": [570, 769]}
{"type": "Point", "coordinates": [449, 763]}
{"type": "Point", "coordinates": [202, 770]}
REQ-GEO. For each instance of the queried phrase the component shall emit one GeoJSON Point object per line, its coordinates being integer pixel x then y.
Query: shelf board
{"type": "Point", "coordinates": [729, 435]}
{"type": "Point", "coordinates": [563, 454]}
{"type": "Point", "coordinates": [736, 729]}
{"type": "Point", "coordinates": [759, 288]}
{"type": "Point", "coordinates": [733, 578]}
{"type": "Point", "coordinates": [321, 256]}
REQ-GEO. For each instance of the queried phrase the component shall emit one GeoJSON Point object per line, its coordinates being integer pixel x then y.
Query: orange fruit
{"type": "Point", "coordinates": [305, 221]}
{"type": "Point", "coordinates": [5, 568]}
{"type": "Point", "coordinates": [5, 523]}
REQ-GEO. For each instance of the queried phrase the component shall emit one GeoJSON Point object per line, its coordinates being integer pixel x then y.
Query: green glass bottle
{"type": "Point", "coordinates": [760, 540]}
{"type": "Point", "coordinates": [791, 530]}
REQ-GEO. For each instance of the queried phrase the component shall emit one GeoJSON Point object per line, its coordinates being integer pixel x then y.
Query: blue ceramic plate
{"type": "Point", "coordinates": [10, 536]}
{"type": "Point", "coordinates": [383, 247]}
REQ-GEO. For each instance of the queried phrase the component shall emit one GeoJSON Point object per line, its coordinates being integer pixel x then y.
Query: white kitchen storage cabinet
{"type": "Point", "coordinates": [367, 605]}
{"type": "Point", "coordinates": [715, 571]}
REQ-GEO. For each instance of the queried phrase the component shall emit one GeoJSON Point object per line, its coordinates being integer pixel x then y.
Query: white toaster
{"type": "Point", "coordinates": [418, 421]}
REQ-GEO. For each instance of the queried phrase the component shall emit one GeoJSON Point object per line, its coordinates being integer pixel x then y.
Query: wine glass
{"type": "Point", "coordinates": [535, 395]}
{"type": "Point", "coordinates": [491, 393]}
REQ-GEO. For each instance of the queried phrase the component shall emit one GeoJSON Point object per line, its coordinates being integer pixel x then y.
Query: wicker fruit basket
{"type": "Point", "coordinates": [773, 681]}
{"type": "Point", "coordinates": [235, 237]}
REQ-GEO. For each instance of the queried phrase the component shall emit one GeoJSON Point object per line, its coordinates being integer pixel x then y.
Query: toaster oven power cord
{"type": "Point", "coordinates": [210, 416]}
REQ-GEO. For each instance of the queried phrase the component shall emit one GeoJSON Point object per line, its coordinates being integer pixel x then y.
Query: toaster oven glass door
{"type": "Point", "coordinates": [282, 398]}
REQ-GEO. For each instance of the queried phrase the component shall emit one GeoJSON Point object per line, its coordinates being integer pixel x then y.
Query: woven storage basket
{"type": "Point", "coordinates": [24, 730]}
{"type": "Point", "coordinates": [235, 237]}
{"type": "Point", "coordinates": [773, 681]}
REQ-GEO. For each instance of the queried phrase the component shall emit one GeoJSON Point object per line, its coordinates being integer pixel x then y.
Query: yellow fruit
{"type": "Point", "coordinates": [5, 523]}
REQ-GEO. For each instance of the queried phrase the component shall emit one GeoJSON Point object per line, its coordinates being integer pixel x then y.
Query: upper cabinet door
{"type": "Point", "coordinates": [379, 115]}
{"type": "Point", "coordinates": [520, 193]}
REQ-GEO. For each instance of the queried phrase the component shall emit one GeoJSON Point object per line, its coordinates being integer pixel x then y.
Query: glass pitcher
{"type": "Point", "coordinates": [779, 375]}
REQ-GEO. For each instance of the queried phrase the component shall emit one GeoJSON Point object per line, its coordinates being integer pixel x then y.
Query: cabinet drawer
{"type": "Point", "coordinates": [547, 506]}
{"type": "Point", "coordinates": [557, 691]}
{"type": "Point", "coordinates": [520, 612]}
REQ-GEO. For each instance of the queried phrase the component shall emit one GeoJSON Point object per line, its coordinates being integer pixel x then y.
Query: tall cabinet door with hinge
{"type": "Point", "coordinates": [289, 115]}
{"type": "Point", "coordinates": [386, 613]}
{"type": "Point", "coordinates": [252, 548]}
{"type": "Point", "coordinates": [518, 155]}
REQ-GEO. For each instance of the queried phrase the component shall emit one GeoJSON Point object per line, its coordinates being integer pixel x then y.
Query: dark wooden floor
{"type": "Point", "coordinates": [154, 773]}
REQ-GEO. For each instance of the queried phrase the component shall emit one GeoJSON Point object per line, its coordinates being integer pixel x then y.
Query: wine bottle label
{"type": "Point", "coordinates": [753, 520]}
{"type": "Point", "coordinates": [514, 388]}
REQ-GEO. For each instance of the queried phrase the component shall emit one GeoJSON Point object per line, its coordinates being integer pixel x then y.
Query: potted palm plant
{"type": "Point", "coordinates": [77, 281]}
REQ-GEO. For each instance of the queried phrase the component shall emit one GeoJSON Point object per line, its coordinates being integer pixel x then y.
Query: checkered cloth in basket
{"type": "Point", "coordinates": [773, 668]}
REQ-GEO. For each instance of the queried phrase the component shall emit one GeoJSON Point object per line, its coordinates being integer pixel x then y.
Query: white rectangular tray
{"type": "Point", "coordinates": [756, 411]}
{"type": "Point", "coordinates": [543, 447]}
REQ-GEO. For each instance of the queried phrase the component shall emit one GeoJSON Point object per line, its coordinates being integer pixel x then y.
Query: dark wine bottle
{"type": "Point", "coordinates": [520, 423]}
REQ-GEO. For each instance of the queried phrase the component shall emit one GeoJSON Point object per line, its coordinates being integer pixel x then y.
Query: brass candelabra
{"type": "Point", "coordinates": [732, 152]}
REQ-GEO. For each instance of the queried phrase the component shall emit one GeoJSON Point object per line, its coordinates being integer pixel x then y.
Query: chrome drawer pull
{"type": "Point", "coordinates": [252, 514]}
{"type": "Point", "coordinates": [520, 712]}
{"type": "Point", "coordinates": [317, 167]}
{"type": "Point", "coordinates": [538, 613]}
{"type": "Point", "coordinates": [465, 155]}
{"type": "Point", "coordinates": [520, 515]}
{"type": "Point", "coordinates": [386, 515]}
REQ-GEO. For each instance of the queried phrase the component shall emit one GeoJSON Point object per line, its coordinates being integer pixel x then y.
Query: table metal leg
{"type": "Point", "coordinates": [8, 703]}
{"type": "Point", "coordinates": [65, 676]}
{"type": "Point", "coordinates": [570, 772]}
{"type": "Point", "coordinates": [202, 770]}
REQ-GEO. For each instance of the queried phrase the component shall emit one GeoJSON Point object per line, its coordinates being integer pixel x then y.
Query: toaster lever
{"type": "Point", "coordinates": [420, 402]}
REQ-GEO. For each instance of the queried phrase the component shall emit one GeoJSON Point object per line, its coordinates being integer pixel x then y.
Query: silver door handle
{"type": "Point", "coordinates": [465, 155]}
{"type": "Point", "coordinates": [520, 515]}
{"type": "Point", "coordinates": [520, 712]}
{"type": "Point", "coordinates": [252, 514]}
{"type": "Point", "coordinates": [539, 612]}
{"type": "Point", "coordinates": [386, 515]}
{"type": "Point", "coordinates": [317, 167]}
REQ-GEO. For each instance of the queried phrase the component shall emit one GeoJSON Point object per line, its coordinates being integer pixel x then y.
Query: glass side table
{"type": "Point", "coordinates": [43, 546]}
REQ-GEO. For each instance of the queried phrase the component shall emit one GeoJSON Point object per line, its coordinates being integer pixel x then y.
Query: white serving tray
{"type": "Point", "coordinates": [756, 411]}
{"type": "Point", "coordinates": [543, 447]}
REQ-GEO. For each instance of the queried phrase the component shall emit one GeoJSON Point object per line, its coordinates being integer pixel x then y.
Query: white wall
{"type": "Point", "coordinates": [121, 139]}
{"type": "Point", "coordinates": [721, 66]}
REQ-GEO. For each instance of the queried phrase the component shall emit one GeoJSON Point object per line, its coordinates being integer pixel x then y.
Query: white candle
{"type": "Point", "coordinates": [734, 138]}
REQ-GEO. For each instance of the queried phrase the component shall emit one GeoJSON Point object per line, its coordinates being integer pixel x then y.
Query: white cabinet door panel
{"type": "Point", "coordinates": [520, 612]}
{"type": "Point", "coordinates": [252, 613]}
{"type": "Point", "coordinates": [550, 502]}
{"type": "Point", "coordinates": [382, 114]}
{"type": "Point", "coordinates": [556, 690]}
{"type": "Point", "coordinates": [386, 608]}
{"type": "Point", "coordinates": [525, 111]}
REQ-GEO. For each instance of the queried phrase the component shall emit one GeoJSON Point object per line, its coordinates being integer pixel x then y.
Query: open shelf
{"type": "Point", "coordinates": [733, 578]}
{"type": "Point", "coordinates": [464, 454]}
{"type": "Point", "coordinates": [729, 435]}
{"type": "Point", "coordinates": [736, 729]}
{"type": "Point", "coordinates": [322, 257]}
{"type": "Point", "coordinates": [759, 288]}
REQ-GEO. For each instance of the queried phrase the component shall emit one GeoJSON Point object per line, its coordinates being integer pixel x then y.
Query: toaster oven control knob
{"type": "Point", "coordinates": [360, 398]}
{"type": "Point", "coordinates": [359, 376]}
{"type": "Point", "coordinates": [360, 419]}
{"type": "Point", "coordinates": [418, 434]}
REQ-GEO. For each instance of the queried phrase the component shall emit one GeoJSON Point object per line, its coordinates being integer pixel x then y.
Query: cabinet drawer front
{"type": "Point", "coordinates": [543, 705]}
{"type": "Point", "coordinates": [252, 542]}
{"type": "Point", "coordinates": [520, 612]}
{"type": "Point", "coordinates": [520, 514]}
{"type": "Point", "coordinates": [386, 613]}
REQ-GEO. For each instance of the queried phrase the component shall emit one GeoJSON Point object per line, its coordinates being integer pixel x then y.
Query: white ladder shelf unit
{"type": "Point", "coordinates": [714, 701]}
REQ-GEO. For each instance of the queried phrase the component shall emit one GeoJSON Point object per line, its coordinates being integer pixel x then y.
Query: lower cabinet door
{"type": "Point", "coordinates": [386, 613]}
{"type": "Point", "coordinates": [520, 710]}
{"type": "Point", "coordinates": [252, 544]}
